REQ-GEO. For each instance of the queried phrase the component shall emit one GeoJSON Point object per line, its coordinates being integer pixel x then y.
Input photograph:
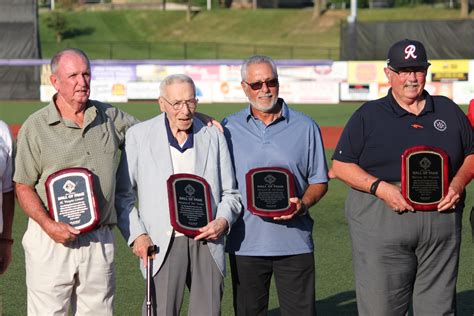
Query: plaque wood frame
{"type": "Point", "coordinates": [56, 201]}
{"type": "Point", "coordinates": [407, 175]}
{"type": "Point", "coordinates": [174, 207]}
{"type": "Point", "coordinates": [289, 190]}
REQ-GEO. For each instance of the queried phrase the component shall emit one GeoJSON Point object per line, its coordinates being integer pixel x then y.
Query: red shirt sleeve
{"type": "Point", "coordinates": [470, 112]}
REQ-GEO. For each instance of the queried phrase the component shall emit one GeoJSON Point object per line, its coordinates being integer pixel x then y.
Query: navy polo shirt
{"type": "Point", "coordinates": [380, 131]}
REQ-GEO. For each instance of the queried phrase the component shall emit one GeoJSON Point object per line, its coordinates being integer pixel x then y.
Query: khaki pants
{"type": "Point", "coordinates": [80, 274]}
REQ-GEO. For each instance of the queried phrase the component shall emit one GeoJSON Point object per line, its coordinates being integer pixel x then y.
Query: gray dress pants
{"type": "Point", "coordinates": [188, 263]}
{"type": "Point", "coordinates": [399, 258]}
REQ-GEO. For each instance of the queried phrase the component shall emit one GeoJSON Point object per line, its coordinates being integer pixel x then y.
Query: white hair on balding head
{"type": "Point", "coordinates": [257, 59]}
{"type": "Point", "coordinates": [57, 57]}
{"type": "Point", "coordinates": [176, 78]}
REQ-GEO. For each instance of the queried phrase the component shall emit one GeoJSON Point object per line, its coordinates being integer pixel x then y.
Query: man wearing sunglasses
{"type": "Point", "coordinates": [270, 134]}
{"type": "Point", "coordinates": [402, 253]}
{"type": "Point", "coordinates": [170, 144]}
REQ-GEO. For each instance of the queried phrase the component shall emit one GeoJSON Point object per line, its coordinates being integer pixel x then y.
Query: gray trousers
{"type": "Point", "coordinates": [403, 258]}
{"type": "Point", "coordinates": [187, 263]}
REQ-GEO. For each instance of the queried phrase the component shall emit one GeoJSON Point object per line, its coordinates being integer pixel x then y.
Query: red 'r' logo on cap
{"type": "Point", "coordinates": [410, 51]}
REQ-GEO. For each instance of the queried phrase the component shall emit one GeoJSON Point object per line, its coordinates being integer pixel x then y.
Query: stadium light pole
{"type": "Point", "coordinates": [353, 17]}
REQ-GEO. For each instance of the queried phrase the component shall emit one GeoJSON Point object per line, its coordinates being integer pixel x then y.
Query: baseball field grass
{"type": "Point", "coordinates": [334, 278]}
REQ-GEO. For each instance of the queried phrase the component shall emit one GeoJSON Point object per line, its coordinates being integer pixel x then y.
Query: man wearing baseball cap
{"type": "Point", "coordinates": [402, 252]}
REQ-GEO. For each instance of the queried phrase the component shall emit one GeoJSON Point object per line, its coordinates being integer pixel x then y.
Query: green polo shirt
{"type": "Point", "coordinates": [47, 143]}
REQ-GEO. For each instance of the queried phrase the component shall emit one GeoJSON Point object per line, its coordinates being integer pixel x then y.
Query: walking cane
{"type": "Point", "coordinates": [150, 252]}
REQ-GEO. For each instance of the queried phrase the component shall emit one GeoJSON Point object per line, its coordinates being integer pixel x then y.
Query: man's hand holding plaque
{"type": "Point", "coordinates": [424, 177]}
{"type": "Point", "coordinates": [71, 198]}
{"type": "Point", "coordinates": [189, 199]}
{"type": "Point", "coordinates": [269, 190]}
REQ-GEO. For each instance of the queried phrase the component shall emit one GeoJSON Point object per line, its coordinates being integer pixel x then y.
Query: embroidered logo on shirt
{"type": "Point", "coordinates": [440, 125]}
{"type": "Point", "coordinates": [416, 125]}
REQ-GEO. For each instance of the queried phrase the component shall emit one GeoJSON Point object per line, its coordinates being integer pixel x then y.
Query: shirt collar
{"type": "Point", "coordinates": [399, 111]}
{"type": "Point", "coordinates": [54, 117]}
{"type": "Point", "coordinates": [189, 143]}
{"type": "Point", "coordinates": [284, 113]}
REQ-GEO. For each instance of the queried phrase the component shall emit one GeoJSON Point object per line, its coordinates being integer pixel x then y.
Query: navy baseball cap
{"type": "Point", "coordinates": [407, 53]}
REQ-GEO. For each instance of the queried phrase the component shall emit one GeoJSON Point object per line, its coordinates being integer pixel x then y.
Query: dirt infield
{"type": "Point", "coordinates": [331, 134]}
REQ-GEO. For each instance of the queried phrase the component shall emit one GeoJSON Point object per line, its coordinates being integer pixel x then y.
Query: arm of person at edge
{"type": "Point", "coordinates": [209, 121]}
{"type": "Point", "coordinates": [314, 192]}
{"type": "Point", "coordinates": [8, 209]}
{"type": "Point", "coordinates": [33, 208]}
{"type": "Point", "coordinates": [457, 185]}
{"type": "Point", "coordinates": [358, 178]}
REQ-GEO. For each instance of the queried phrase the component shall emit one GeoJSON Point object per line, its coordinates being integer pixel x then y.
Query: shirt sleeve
{"type": "Point", "coordinates": [318, 170]}
{"type": "Point", "coordinates": [122, 122]}
{"type": "Point", "coordinates": [26, 158]}
{"type": "Point", "coordinates": [350, 145]}
{"type": "Point", "coordinates": [5, 135]}
{"type": "Point", "coordinates": [467, 134]}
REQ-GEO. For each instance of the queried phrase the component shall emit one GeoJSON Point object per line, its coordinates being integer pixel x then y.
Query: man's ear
{"type": "Point", "coordinates": [387, 73]}
{"type": "Point", "coordinates": [161, 104]}
{"type": "Point", "coordinates": [54, 81]}
{"type": "Point", "coordinates": [244, 87]}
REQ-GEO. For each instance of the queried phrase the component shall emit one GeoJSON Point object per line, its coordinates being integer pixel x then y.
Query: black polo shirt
{"type": "Point", "coordinates": [379, 132]}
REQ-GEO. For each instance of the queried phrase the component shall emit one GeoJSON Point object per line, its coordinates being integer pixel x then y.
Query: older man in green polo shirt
{"type": "Point", "coordinates": [66, 268]}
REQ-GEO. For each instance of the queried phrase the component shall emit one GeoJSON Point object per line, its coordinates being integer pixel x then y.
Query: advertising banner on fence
{"type": "Point", "coordinates": [228, 91]}
{"type": "Point", "coordinates": [366, 72]}
{"type": "Point", "coordinates": [141, 90]}
{"type": "Point", "coordinates": [336, 71]}
{"type": "Point", "coordinates": [108, 91]}
{"type": "Point", "coordinates": [156, 72]}
{"type": "Point", "coordinates": [358, 92]}
{"type": "Point", "coordinates": [204, 91]}
{"type": "Point", "coordinates": [113, 73]}
{"type": "Point", "coordinates": [229, 73]}
{"type": "Point", "coordinates": [314, 92]}
{"type": "Point", "coordinates": [471, 71]}
{"type": "Point", "coordinates": [46, 92]}
{"type": "Point", "coordinates": [463, 92]}
{"type": "Point", "coordinates": [318, 82]}
{"type": "Point", "coordinates": [203, 73]}
{"type": "Point", "coordinates": [449, 70]}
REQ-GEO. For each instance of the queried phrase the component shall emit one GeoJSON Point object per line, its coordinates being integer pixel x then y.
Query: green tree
{"type": "Point", "coordinates": [58, 23]}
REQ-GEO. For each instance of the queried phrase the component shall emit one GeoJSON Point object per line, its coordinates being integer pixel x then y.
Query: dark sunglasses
{"type": "Point", "coordinates": [271, 83]}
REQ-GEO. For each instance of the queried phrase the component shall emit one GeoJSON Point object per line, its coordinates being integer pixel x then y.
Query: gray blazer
{"type": "Point", "coordinates": [146, 165]}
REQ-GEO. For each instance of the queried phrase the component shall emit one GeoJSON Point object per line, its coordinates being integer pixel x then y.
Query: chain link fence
{"type": "Point", "coordinates": [189, 50]}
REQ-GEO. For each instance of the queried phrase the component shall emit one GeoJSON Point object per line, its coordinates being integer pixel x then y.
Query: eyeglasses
{"type": "Point", "coordinates": [406, 72]}
{"type": "Point", "coordinates": [271, 83]}
{"type": "Point", "coordinates": [178, 105]}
